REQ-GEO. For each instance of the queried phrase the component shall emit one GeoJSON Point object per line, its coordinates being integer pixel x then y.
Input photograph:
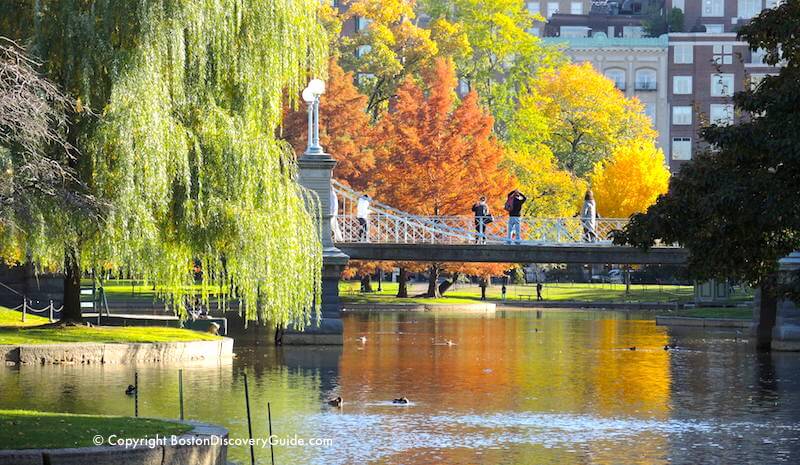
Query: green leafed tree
{"type": "Point", "coordinates": [177, 104]}
{"type": "Point", "coordinates": [502, 55]}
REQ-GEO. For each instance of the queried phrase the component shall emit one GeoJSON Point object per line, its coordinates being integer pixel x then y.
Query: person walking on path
{"type": "Point", "coordinates": [513, 206]}
{"type": "Point", "coordinates": [539, 291]}
{"type": "Point", "coordinates": [589, 217]}
{"type": "Point", "coordinates": [362, 213]}
{"type": "Point", "coordinates": [482, 218]}
{"type": "Point", "coordinates": [483, 283]}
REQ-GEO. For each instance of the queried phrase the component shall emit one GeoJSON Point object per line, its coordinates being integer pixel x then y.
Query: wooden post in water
{"type": "Point", "coordinates": [269, 421]}
{"type": "Point", "coordinates": [249, 422]}
{"type": "Point", "coordinates": [136, 394]}
{"type": "Point", "coordinates": [180, 389]}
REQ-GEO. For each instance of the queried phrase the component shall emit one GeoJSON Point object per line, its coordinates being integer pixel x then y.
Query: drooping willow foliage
{"type": "Point", "coordinates": [185, 97]}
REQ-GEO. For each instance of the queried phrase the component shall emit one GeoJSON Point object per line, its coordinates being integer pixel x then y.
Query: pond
{"type": "Point", "coordinates": [518, 387]}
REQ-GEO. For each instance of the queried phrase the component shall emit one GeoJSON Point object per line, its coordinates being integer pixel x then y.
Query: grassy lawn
{"type": "Point", "coordinates": [13, 318]}
{"type": "Point", "coordinates": [25, 429]}
{"type": "Point", "coordinates": [13, 331]}
{"type": "Point", "coordinates": [583, 292]}
{"type": "Point", "coordinates": [741, 313]}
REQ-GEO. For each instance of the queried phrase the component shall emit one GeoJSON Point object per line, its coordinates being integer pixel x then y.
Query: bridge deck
{"type": "Point", "coordinates": [523, 253]}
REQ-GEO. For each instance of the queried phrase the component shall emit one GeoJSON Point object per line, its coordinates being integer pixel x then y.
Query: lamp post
{"type": "Point", "coordinates": [311, 95]}
{"type": "Point", "coordinates": [316, 168]}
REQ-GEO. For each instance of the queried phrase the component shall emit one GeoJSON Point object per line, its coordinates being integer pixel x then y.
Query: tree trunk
{"type": "Point", "coordinates": [366, 283]}
{"type": "Point", "coordinates": [448, 284]}
{"type": "Point", "coordinates": [402, 283]}
{"type": "Point", "coordinates": [433, 277]}
{"type": "Point", "coordinates": [72, 287]}
{"type": "Point", "coordinates": [766, 310]}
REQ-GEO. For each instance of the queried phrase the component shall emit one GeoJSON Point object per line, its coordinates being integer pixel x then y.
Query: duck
{"type": "Point", "coordinates": [362, 339]}
{"type": "Point", "coordinates": [450, 343]}
{"type": "Point", "coordinates": [670, 346]}
{"type": "Point", "coordinates": [400, 400]}
{"type": "Point", "coordinates": [337, 402]}
{"type": "Point", "coordinates": [131, 390]}
{"type": "Point", "coordinates": [632, 348]}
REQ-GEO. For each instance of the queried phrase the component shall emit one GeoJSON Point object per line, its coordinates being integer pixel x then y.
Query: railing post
{"type": "Point", "coordinates": [24, 308]}
{"type": "Point", "coordinates": [51, 311]}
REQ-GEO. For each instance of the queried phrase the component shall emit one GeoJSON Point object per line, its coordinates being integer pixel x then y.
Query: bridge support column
{"type": "Point", "coordinates": [315, 174]}
{"type": "Point", "coordinates": [786, 333]}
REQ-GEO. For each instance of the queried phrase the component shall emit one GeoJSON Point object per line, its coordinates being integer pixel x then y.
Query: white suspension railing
{"type": "Point", "coordinates": [387, 224]}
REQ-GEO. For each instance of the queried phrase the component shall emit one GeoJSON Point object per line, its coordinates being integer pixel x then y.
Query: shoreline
{"type": "Point", "coordinates": [205, 444]}
{"type": "Point", "coordinates": [220, 350]}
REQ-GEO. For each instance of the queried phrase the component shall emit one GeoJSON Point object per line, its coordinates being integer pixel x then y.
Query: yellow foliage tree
{"type": "Point", "coordinates": [551, 191]}
{"type": "Point", "coordinates": [630, 180]}
{"type": "Point", "coordinates": [580, 116]}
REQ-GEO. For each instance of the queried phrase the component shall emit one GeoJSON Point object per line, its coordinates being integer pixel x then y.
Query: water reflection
{"type": "Point", "coordinates": [521, 387]}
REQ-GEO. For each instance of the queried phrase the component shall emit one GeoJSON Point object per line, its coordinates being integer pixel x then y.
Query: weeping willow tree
{"type": "Point", "coordinates": [177, 105]}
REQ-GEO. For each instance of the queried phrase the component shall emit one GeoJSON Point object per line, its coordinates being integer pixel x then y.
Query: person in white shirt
{"type": "Point", "coordinates": [362, 213]}
{"type": "Point", "coordinates": [589, 217]}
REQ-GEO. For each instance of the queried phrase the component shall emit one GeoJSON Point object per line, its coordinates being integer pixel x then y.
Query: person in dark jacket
{"type": "Point", "coordinates": [513, 206]}
{"type": "Point", "coordinates": [482, 218]}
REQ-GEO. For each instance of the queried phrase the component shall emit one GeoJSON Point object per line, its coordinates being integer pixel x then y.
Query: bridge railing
{"type": "Point", "coordinates": [413, 229]}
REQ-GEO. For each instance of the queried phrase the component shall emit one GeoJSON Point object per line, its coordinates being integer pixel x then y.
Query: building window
{"type": "Point", "coordinates": [678, 4]}
{"type": "Point", "coordinates": [573, 31]}
{"type": "Point", "coordinates": [714, 28]}
{"type": "Point", "coordinates": [362, 23]}
{"type": "Point", "coordinates": [723, 54]}
{"type": "Point", "coordinates": [755, 80]}
{"type": "Point", "coordinates": [645, 79]}
{"type": "Point", "coordinates": [683, 54]}
{"type": "Point", "coordinates": [721, 114]}
{"type": "Point", "coordinates": [681, 148]}
{"type": "Point", "coordinates": [552, 8]}
{"type": "Point", "coordinates": [650, 112]}
{"type": "Point", "coordinates": [713, 7]}
{"type": "Point", "coordinates": [363, 50]}
{"type": "Point", "coordinates": [681, 85]}
{"type": "Point", "coordinates": [533, 8]}
{"type": "Point", "coordinates": [576, 8]}
{"type": "Point", "coordinates": [757, 56]}
{"type": "Point", "coordinates": [618, 76]}
{"type": "Point", "coordinates": [746, 9]}
{"type": "Point", "coordinates": [722, 85]}
{"type": "Point", "coordinates": [634, 32]}
{"type": "Point", "coordinates": [681, 116]}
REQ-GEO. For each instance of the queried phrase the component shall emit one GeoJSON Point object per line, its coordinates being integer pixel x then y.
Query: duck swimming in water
{"type": "Point", "coordinates": [131, 390]}
{"type": "Point", "coordinates": [400, 400]}
{"type": "Point", "coordinates": [362, 339]}
{"type": "Point", "coordinates": [337, 402]}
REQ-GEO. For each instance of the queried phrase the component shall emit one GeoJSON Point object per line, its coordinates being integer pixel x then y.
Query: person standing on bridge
{"type": "Point", "coordinates": [589, 217]}
{"type": "Point", "coordinates": [513, 206]}
{"type": "Point", "coordinates": [482, 218]}
{"type": "Point", "coordinates": [362, 213]}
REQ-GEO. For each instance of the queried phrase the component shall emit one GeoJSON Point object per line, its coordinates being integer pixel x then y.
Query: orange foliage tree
{"type": "Point", "coordinates": [435, 155]}
{"type": "Point", "coordinates": [344, 128]}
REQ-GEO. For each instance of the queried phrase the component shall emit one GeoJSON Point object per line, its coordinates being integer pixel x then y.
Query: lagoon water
{"type": "Point", "coordinates": [519, 387]}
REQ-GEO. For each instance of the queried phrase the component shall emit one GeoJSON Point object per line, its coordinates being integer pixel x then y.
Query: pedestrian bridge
{"type": "Point", "coordinates": [396, 235]}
